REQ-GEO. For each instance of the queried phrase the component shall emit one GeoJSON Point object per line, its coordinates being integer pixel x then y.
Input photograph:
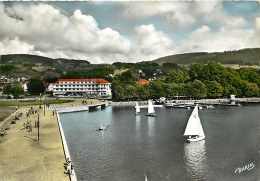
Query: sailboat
{"type": "Point", "coordinates": [151, 111]}
{"type": "Point", "coordinates": [194, 129]}
{"type": "Point", "coordinates": [137, 108]}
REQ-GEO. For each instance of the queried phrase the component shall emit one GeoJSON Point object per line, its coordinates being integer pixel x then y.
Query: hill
{"type": "Point", "coordinates": [23, 65]}
{"type": "Point", "coordinates": [242, 57]}
{"type": "Point", "coordinates": [33, 65]}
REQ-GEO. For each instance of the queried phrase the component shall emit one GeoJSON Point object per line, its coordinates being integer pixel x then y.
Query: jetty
{"type": "Point", "coordinates": [68, 109]}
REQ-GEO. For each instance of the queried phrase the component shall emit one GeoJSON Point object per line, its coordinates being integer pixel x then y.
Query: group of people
{"type": "Point", "coordinates": [84, 102]}
{"type": "Point", "coordinates": [69, 166]}
{"type": "Point", "coordinates": [31, 111]}
{"type": "Point", "coordinates": [27, 125]}
{"type": "Point", "coordinates": [3, 132]}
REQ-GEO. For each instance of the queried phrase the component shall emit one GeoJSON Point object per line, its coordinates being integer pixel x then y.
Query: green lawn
{"type": "Point", "coordinates": [32, 102]}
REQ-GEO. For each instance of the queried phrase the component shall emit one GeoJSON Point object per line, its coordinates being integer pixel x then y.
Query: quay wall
{"type": "Point", "coordinates": [66, 149]}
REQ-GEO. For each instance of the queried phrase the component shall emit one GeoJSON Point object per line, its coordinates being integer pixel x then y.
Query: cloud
{"type": "Point", "coordinates": [43, 30]}
{"type": "Point", "coordinates": [174, 13]}
{"type": "Point", "coordinates": [15, 46]}
{"type": "Point", "coordinates": [152, 42]}
{"type": "Point", "coordinates": [257, 29]}
{"type": "Point", "coordinates": [47, 32]}
{"type": "Point", "coordinates": [206, 40]}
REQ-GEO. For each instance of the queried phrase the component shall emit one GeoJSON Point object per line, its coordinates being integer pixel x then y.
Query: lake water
{"type": "Point", "coordinates": [136, 147]}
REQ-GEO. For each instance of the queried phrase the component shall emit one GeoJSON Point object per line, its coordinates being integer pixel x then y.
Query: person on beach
{"type": "Point", "coordinates": [23, 126]}
{"type": "Point", "coordinates": [71, 169]}
{"type": "Point", "coordinates": [3, 132]}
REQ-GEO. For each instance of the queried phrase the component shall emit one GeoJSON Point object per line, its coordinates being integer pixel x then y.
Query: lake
{"type": "Point", "coordinates": [136, 147]}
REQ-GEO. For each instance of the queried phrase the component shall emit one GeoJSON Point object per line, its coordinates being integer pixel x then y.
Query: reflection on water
{"type": "Point", "coordinates": [137, 123]}
{"type": "Point", "coordinates": [196, 160]}
{"type": "Point", "coordinates": [150, 121]}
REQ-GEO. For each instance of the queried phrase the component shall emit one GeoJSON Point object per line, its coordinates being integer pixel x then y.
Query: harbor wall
{"type": "Point", "coordinates": [66, 149]}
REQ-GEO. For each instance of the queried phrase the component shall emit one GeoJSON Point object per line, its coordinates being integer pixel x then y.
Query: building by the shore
{"type": "Point", "coordinates": [142, 81]}
{"type": "Point", "coordinates": [91, 88]}
{"type": "Point", "coordinates": [25, 86]}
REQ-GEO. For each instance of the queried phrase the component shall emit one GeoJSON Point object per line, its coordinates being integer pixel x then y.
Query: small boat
{"type": "Point", "coordinates": [137, 108]}
{"type": "Point", "coordinates": [194, 129]}
{"type": "Point", "coordinates": [210, 107]}
{"type": "Point", "coordinates": [151, 111]}
{"type": "Point", "coordinates": [102, 127]}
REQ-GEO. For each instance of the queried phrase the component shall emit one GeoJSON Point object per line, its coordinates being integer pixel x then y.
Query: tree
{"type": "Point", "coordinates": [142, 92]}
{"type": "Point", "coordinates": [7, 89]}
{"type": "Point", "coordinates": [214, 89]}
{"type": "Point", "coordinates": [35, 86]}
{"type": "Point", "coordinates": [177, 76]}
{"type": "Point", "coordinates": [156, 89]}
{"type": "Point", "coordinates": [126, 78]}
{"type": "Point", "coordinates": [249, 89]}
{"type": "Point", "coordinates": [6, 68]}
{"type": "Point", "coordinates": [17, 90]}
{"type": "Point", "coordinates": [197, 71]}
{"type": "Point", "coordinates": [130, 91]}
{"type": "Point", "coordinates": [250, 75]}
{"type": "Point", "coordinates": [197, 89]}
{"type": "Point", "coordinates": [118, 90]}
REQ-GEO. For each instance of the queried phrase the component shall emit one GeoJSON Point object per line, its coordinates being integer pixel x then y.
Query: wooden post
{"type": "Point", "coordinates": [38, 124]}
{"type": "Point", "coordinates": [44, 106]}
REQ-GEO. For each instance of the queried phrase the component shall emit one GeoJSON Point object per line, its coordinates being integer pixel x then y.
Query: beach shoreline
{"type": "Point", "coordinates": [23, 156]}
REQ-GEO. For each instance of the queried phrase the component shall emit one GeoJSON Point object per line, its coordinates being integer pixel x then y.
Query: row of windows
{"type": "Point", "coordinates": [57, 89]}
{"type": "Point", "coordinates": [77, 82]}
{"type": "Point", "coordinates": [81, 86]}
{"type": "Point", "coordinates": [80, 83]}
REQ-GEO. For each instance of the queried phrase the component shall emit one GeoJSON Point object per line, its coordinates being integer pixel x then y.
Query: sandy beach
{"type": "Point", "coordinates": [24, 157]}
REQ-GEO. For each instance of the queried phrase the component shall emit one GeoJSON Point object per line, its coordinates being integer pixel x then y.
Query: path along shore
{"type": "Point", "coordinates": [24, 157]}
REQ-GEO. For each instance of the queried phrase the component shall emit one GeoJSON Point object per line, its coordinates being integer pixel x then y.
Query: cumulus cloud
{"type": "Point", "coordinates": [174, 13]}
{"type": "Point", "coordinates": [206, 40]}
{"type": "Point", "coordinates": [152, 42]}
{"type": "Point", "coordinates": [47, 32]}
{"type": "Point", "coordinates": [44, 30]}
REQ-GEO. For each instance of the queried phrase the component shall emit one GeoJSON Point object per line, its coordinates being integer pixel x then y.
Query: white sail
{"type": "Point", "coordinates": [137, 108]}
{"type": "Point", "coordinates": [201, 132]}
{"type": "Point", "coordinates": [194, 127]}
{"type": "Point", "coordinates": [150, 107]}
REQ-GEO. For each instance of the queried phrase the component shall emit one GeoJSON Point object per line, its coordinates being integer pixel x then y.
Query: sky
{"type": "Point", "coordinates": [127, 31]}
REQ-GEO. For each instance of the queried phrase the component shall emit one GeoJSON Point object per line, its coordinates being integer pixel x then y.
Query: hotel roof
{"type": "Point", "coordinates": [98, 81]}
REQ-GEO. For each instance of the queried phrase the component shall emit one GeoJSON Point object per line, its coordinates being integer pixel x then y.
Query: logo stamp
{"type": "Point", "coordinates": [249, 166]}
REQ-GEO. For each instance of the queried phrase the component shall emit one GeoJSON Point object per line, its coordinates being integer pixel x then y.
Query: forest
{"type": "Point", "coordinates": [210, 80]}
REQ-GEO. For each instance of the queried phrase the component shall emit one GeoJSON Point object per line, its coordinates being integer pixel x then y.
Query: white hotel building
{"type": "Point", "coordinates": [91, 88]}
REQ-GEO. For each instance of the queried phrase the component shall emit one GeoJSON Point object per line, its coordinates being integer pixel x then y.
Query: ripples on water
{"type": "Point", "coordinates": [134, 147]}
